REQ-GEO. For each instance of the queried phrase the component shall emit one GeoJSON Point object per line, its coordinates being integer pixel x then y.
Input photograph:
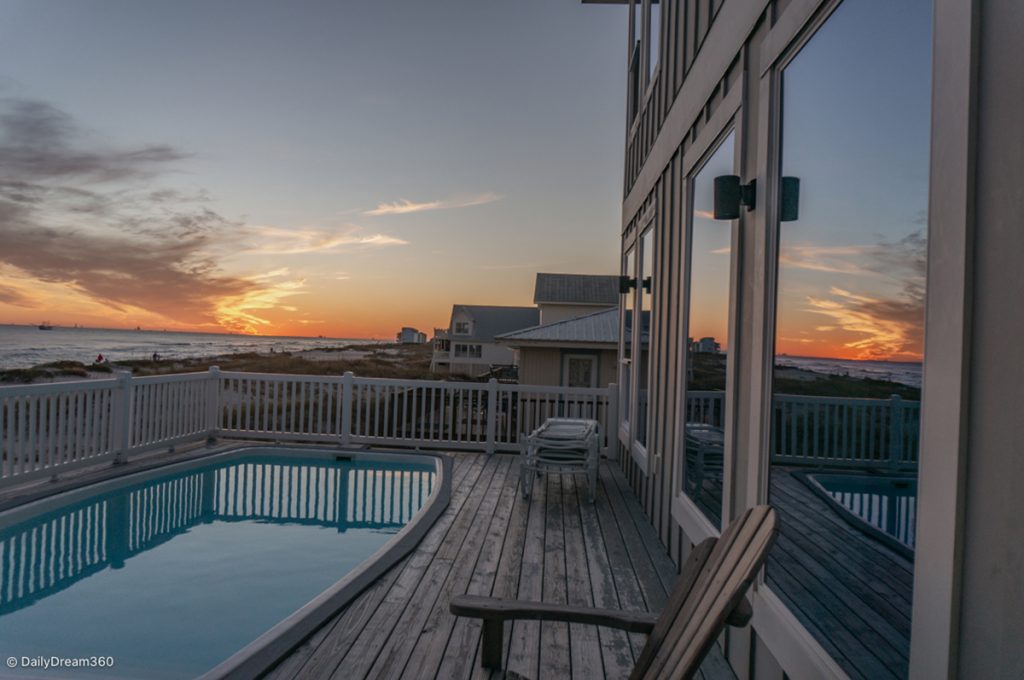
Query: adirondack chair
{"type": "Point", "coordinates": [709, 594]}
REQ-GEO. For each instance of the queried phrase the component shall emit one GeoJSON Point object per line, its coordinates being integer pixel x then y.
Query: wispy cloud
{"type": "Point", "coordinates": [240, 312]}
{"type": "Point", "coordinates": [403, 206]}
{"type": "Point", "coordinates": [278, 241]}
{"type": "Point", "coordinates": [89, 221]}
{"type": "Point", "coordinates": [877, 324]}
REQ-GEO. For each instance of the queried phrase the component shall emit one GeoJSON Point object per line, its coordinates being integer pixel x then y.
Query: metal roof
{"type": "Point", "coordinates": [598, 328]}
{"type": "Point", "coordinates": [489, 322]}
{"type": "Point", "coordinates": [576, 289]}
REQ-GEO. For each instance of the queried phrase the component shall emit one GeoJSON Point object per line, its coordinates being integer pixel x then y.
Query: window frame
{"type": "Point", "coordinates": [685, 512]}
{"type": "Point", "coordinates": [592, 357]}
{"type": "Point", "coordinates": [641, 451]}
{"type": "Point", "coordinates": [788, 640]}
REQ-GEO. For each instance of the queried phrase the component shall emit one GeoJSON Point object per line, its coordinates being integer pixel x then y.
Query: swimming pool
{"type": "Point", "coordinates": [885, 506]}
{"type": "Point", "coordinates": [172, 572]}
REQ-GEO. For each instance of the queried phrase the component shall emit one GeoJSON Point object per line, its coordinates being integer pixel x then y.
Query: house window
{"type": "Point", "coordinates": [654, 42]}
{"type": "Point", "coordinates": [462, 327]}
{"type": "Point", "coordinates": [471, 351]}
{"type": "Point", "coordinates": [626, 305]}
{"type": "Point", "coordinates": [849, 324]}
{"type": "Point", "coordinates": [709, 272]}
{"type": "Point", "coordinates": [636, 43]}
{"type": "Point", "coordinates": [643, 329]}
{"type": "Point", "coordinates": [579, 370]}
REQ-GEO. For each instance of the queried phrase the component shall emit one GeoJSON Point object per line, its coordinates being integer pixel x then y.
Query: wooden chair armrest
{"type": "Point", "coordinates": [494, 609]}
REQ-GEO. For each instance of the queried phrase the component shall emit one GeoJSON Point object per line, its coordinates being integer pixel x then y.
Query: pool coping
{"type": "Point", "coordinates": [862, 525]}
{"type": "Point", "coordinates": [259, 655]}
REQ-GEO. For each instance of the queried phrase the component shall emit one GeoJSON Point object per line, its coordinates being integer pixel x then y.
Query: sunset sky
{"type": "Point", "coordinates": [314, 168]}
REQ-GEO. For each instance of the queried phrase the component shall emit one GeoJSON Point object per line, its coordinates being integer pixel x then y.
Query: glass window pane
{"type": "Point", "coordinates": [646, 284]}
{"type": "Point", "coordinates": [849, 327]}
{"type": "Point", "coordinates": [655, 42]}
{"type": "Point", "coordinates": [709, 273]}
{"type": "Point", "coordinates": [626, 353]}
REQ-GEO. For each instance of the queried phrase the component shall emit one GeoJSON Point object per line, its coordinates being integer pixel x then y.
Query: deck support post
{"type": "Point", "coordinates": [346, 408]}
{"type": "Point", "coordinates": [213, 405]}
{"type": "Point", "coordinates": [122, 416]}
{"type": "Point", "coordinates": [492, 414]}
{"type": "Point", "coordinates": [491, 643]}
{"type": "Point", "coordinates": [895, 432]}
{"type": "Point", "coordinates": [610, 424]}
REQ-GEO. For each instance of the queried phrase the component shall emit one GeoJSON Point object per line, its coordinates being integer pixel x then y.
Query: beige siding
{"type": "Point", "coordinates": [543, 365]}
{"type": "Point", "coordinates": [551, 313]}
{"type": "Point", "coordinates": [540, 366]}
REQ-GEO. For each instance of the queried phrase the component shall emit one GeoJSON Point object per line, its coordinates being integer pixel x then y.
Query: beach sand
{"type": "Point", "coordinates": [371, 361]}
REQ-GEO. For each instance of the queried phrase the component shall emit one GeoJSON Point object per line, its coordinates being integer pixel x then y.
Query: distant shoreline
{"type": "Point", "coordinates": [387, 360]}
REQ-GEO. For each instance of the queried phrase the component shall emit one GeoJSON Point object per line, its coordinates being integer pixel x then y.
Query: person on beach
{"type": "Point", "coordinates": [99, 359]}
{"type": "Point", "coordinates": [156, 357]}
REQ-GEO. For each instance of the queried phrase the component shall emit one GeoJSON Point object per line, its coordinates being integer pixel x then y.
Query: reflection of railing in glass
{"type": "Point", "coordinates": [830, 431]}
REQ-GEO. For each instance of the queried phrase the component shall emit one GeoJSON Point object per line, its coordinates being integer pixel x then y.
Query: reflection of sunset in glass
{"type": "Point", "coordinates": [710, 253]}
{"type": "Point", "coordinates": [852, 267]}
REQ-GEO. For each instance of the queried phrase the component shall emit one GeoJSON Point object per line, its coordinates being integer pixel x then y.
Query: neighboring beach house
{"type": "Point", "coordinates": [410, 336]}
{"type": "Point", "coordinates": [565, 296]}
{"type": "Point", "coordinates": [469, 348]}
{"type": "Point", "coordinates": [574, 352]}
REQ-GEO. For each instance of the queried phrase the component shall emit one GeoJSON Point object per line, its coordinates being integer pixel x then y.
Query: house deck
{"type": "Point", "coordinates": [490, 541]}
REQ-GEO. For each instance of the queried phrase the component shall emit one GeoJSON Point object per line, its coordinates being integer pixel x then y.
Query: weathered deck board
{"type": "Point", "coordinates": [556, 546]}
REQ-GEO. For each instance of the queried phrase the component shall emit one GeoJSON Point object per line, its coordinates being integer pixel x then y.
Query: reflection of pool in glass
{"type": "Point", "coordinates": [173, 575]}
{"type": "Point", "coordinates": [887, 505]}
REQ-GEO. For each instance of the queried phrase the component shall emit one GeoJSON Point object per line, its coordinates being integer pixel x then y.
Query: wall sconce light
{"type": "Point", "coordinates": [789, 205]}
{"type": "Point", "coordinates": [626, 284]}
{"type": "Point", "coordinates": [730, 195]}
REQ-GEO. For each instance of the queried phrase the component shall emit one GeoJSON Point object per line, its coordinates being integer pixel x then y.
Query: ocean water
{"type": "Point", "coordinates": [26, 346]}
{"type": "Point", "coordinates": [902, 372]}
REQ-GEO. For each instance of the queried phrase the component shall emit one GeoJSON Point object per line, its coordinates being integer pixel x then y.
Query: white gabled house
{"type": "Point", "coordinates": [470, 349]}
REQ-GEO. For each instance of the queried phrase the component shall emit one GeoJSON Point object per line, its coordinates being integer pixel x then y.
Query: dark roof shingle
{"type": "Point", "coordinates": [576, 289]}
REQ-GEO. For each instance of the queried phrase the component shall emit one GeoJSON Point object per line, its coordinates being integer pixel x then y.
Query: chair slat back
{"type": "Point", "coordinates": [698, 607]}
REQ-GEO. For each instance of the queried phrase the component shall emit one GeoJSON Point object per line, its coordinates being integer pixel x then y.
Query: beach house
{"type": "Point", "coordinates": [410, 336]}
{"type": "Point", "coordinates": [470, 348]}
{"type": "Point", "coordinates": [797, 175]}
{"type": "Point", "coordinates": [564, 296]}
{"type": "Point", "coordinates": [579, 351]}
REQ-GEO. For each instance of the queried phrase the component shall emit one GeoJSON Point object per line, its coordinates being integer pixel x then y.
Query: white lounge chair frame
{"type": "Point", "coordinates": [561, 445]}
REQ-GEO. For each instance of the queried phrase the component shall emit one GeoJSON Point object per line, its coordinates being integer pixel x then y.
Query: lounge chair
{"type": "Point", "coordinates": [561, 445]}
{"type": "Point", "coordinates": [709, 594]}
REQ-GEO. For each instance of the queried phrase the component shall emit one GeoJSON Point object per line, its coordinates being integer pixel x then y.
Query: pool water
{"type": "Point", "coordinates": [888, 504]}
{"type": "Point", "coordinates": [174, 575]}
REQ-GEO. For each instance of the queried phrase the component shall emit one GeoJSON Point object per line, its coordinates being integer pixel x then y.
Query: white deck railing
{"type": "Point", "coordinates": [52, 428]}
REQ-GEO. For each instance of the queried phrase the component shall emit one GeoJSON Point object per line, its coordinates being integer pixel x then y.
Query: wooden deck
{"type": "Point", "coordinates": [850, 591]}
{"type": "Point", "coordinates": [557, 547]}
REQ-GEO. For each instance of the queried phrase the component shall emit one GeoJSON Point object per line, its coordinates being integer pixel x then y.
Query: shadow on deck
{"type": "Point", "coordinates": [557, 547]}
